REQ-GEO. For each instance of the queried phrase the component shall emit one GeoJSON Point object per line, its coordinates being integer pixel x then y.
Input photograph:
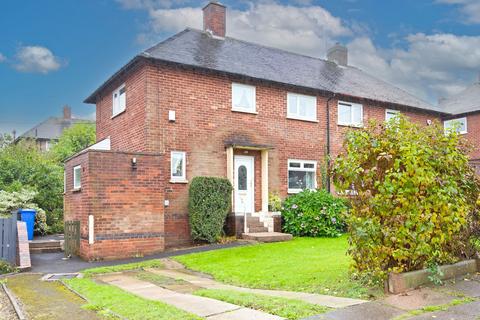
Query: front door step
{"type": "Point", "coordinates": [267, 236]}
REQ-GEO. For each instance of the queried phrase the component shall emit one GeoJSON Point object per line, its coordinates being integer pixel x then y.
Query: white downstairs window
{"type": "Point", "coordinates": [119, 100]}
{"type": "Point", "coordinates": [178, 166]}
{"type": "Point", "coordinates": [460, 125]}
{"type": "Point", "coordinates": [243, 98]}
{"type": "Point", "coordinates": [350, 114]}
{"type": "Point", "coordinates": [301, 107]}
{"type": "Point", "coordinates": [77, 177]}
{"type": "Point", "coordinates": [302, 175]}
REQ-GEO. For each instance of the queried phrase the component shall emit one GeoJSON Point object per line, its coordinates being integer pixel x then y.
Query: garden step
{"type": "Point", "coordinates": [257, 229]}
{"type": "Point", "coordinates": [45, 246]}
{"type": "Point", "coordinates": [267, 236]}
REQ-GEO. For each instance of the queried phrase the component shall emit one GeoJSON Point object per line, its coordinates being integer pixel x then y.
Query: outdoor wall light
{"type": "Point", "coordinates": [134, 163]}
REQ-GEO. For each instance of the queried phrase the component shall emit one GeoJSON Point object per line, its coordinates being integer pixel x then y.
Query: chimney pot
{"type": "Point", "coordinates": [67, 112]}
{"type": "Point", "coordinates": [214, 18]}
{"type": "Point", "coordinates": [338, 54]}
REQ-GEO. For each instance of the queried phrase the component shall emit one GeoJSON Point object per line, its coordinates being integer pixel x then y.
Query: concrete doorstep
{"type": "Point", "coordinates": [200, 306]}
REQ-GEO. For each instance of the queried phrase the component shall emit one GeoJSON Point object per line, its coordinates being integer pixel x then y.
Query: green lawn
{"type": "Point", "coordinates": [318, 265]}
{"type": "Point", "coordinates": [106, 299]}
{"type": "Point", "coordinates": [287, 308]}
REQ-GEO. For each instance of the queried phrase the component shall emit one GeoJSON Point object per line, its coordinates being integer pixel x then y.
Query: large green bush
{"type": "Point", "coordinates": [209, 204]}
{"type": "Point", "coordinates": [412, 195]}
{"type": "Point", "coordinates": [314, 214]}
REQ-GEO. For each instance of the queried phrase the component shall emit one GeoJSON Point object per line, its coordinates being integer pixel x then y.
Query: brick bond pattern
{"type": "Point", "coordinates": [127, 203]}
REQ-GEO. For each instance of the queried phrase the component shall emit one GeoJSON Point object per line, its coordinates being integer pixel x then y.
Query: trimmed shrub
{"type": "Point", "coordinates": [209, 204]}
{"type": "Point", "coordinates": [314, 214]}
{"type": "Point", "coordinates": [414, 197]}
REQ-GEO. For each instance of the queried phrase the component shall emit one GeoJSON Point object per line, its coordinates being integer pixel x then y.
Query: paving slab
{"type": "Point", "coordinates": [466, 286]}
{"type": "Point", "coordinates": [201, 306]}
{"type": "Point", "coordinates": [417, 299]}
{"type": "Point", "coordinates": [364, 311]}
{"type": "Point", "coordinates": [468, 311]}
{"type": "Point", "coordinates": [319, 299]}
{"type": "Point", "coordinates": [244, 314]}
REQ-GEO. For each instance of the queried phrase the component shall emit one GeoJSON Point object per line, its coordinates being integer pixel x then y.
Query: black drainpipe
{"type": "Point", "coordinates": [328, 141]}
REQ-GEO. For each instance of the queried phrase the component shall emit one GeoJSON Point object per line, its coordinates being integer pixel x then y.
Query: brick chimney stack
{"type": "Point", "coordinates": [214, 19]}
{"type": "Point", "coordinates": [67, 112]}
{"type": "Point", "coordinates": [338, 54]}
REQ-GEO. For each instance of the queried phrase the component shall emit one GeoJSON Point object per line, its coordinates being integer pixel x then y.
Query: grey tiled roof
{"type": "Point", "coordinates": [197, 49]}
{"type": "Point", "coordinates": [466, 101]}
{"type": "Point", "coordinates": [52, 128]}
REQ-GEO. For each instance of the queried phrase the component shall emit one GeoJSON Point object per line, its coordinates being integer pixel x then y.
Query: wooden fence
{"type": "Point", "coordinates": [8, 239]}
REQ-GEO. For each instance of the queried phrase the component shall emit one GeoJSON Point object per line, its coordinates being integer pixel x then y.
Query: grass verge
{"type": "Point", "coordinates": [286, 308]}
{"type": "Point", "coordinates": [104, 298]}
{"type": "Point", "coordinates": [318, 265]}
{"type": "Point", "coordinates": [123, 267]}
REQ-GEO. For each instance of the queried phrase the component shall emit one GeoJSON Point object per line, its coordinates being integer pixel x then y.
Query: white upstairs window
{"type": "Point", "coordinates": [243, 98]}
{"type": "Point", "coordinates": [301, 107]}
{"type": "Point", "coordinates": [391, 114]}
{"type": "Point", "coordinates": [301, 175]}
{"type": "Point", "coordinates": [350, 114]}
{"type": "Point", "coordinates": [460, 125]}
{"type": "Point", "coordinates": [119, 100]}
{"type": "Point", "coordinates": [77, 177]}
{"type": "Point", "coordinates": [178, 166]}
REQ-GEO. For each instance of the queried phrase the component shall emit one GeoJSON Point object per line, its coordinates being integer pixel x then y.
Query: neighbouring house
{"type": "Point", "coordinates": [464, 112]}
{"type": "Point", "coordinates": [203, 104]}
{"type": "Point", "coordinates": [46, 133]}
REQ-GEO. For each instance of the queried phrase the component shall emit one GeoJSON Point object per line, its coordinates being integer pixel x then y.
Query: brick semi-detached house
{"type": "Point", "coordinates": [204, 104]}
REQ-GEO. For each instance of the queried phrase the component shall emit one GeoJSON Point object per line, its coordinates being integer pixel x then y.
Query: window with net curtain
{"type": "Point", "coordinates": [350, 114]}
{"type": "Point", "coordinates": [302, 175]}
{"type": "Point", "coordinates": [243, 98]}
{"type": "Point", "coordinates": [178, 166]}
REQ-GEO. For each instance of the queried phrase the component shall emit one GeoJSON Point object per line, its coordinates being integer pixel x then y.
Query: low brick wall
{"type": "Point", "coordinates": [401, 282]}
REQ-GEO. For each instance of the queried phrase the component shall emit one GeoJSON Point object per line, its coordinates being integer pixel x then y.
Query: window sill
{"type": "Point", "coordinates": [244, 111]}
{"type": "Point", "coordinates": [302, 119]}
{"type": "Point", "coordinates": [179, 181]}
{"type": "Point", "coordinates": [117, 114]}
{"type": "Point", "coordinates": [294, 191]}
{"type": "Point", "coordinates": [350, 125]}
{"type": "Point", "coordinates": [74, 190]}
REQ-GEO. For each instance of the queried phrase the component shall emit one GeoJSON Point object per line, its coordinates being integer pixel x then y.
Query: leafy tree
{"type": "Point", "coordinates": [5, 140]}
{"type": "Point", "coordinates": [413, 195]}
{"type": "Point", "coordinates": [73, 139]}
{"type": "Point", "coordinates": [23, 166]}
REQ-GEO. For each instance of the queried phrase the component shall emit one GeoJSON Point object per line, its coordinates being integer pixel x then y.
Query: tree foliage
{"type": "Point", "coordinates": [413, 196]}
{"type": "Point", "coordinates": [73, 139]}
{"type": "Point", "coordinates": [209, 204]}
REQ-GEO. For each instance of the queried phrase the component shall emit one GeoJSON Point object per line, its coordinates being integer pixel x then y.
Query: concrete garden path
{"type": "Point", "coordinates": [204, 307]}
{"type": "Point", "coordinates": [203, 282]}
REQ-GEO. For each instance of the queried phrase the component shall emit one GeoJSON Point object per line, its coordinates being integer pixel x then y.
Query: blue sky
{"type": "Point", "coordinates": [55, 52]}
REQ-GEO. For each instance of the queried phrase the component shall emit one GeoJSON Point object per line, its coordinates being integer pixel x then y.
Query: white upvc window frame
{"type": "Point", "coordinates": [447, 128]}
{"type": "Point", "coordinates": [303, 169]}
{"type": "Point", "coordinates": [178, 179]}
{"type": "Point", "coordinates": [119, 105]}
{"type": "Point", "coordinates": [253, 109]}
{"type": "Point", "coordinates": [391, 111]}
{"type": "Point", "coordinates": [351, 105]}
{"type": "Point", "coordinates": [296, 115]}
{"type": "Point", "coordinates": [77, 172]}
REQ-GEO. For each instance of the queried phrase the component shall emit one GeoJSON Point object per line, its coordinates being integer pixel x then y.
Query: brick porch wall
{"type": "Point", "coordinates": [127, 204]}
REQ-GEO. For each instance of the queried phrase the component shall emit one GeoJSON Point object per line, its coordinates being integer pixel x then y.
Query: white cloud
{"type": "Point", "coordinates": [308, 30]}
{"type": "Point", "coordinates": [2, 58]}
{"type": "Point", "coordinates": [36, 59]}
{"type": "Point", "coordinates": [429, 66]}
{"type": "Point", "coordinates": [469, 8]}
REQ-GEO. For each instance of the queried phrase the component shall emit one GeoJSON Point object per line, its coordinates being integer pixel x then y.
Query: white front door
{"type": "Point", "coordinates": [244, 177]}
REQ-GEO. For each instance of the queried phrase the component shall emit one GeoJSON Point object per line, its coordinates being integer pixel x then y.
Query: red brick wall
{"type": "Point", "coordinates": [126, 130]}
{"type": "Point", "coordinates": [127, 204]}
{"type": "Point", "coordinates": [473, 134]}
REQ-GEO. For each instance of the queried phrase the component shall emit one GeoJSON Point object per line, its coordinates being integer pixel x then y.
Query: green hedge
{"type": "Point", "coordinates": [314, 214]}
{"type": "Point", "coordinates": [209, 204]}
